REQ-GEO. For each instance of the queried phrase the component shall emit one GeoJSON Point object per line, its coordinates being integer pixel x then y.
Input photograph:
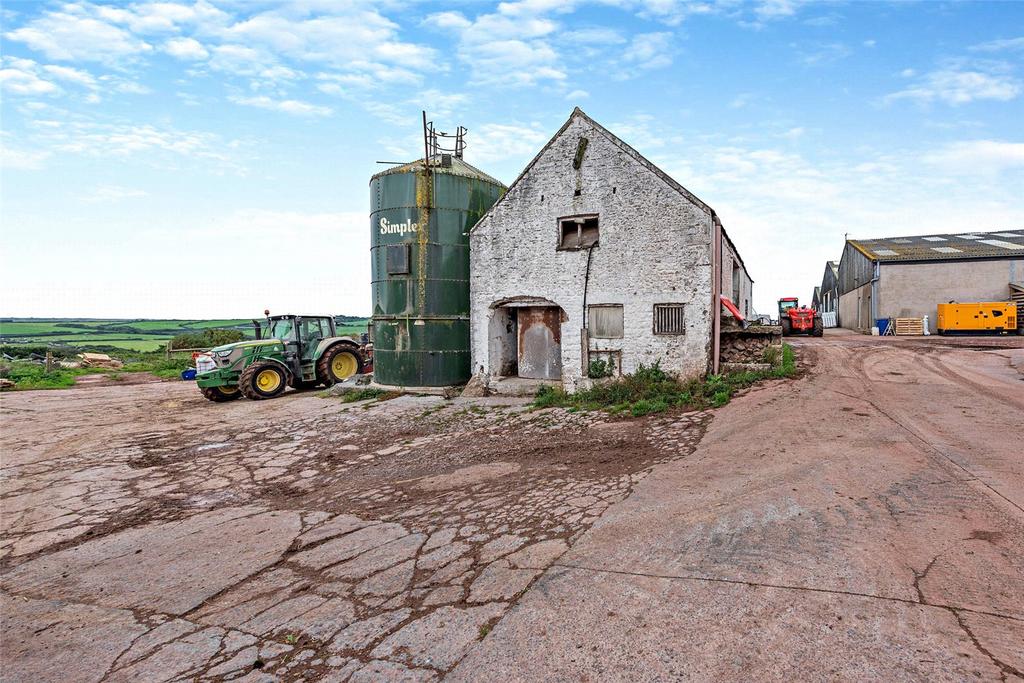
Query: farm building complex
{"type": "Point", "coordinates": [908, 277]}
{"type": "Point", "coordinates": [595, 254]}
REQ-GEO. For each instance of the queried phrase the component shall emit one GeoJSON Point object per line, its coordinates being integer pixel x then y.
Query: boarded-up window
{"type": "Point", "coordinates": [576, 232]}
{"type": "Point", "coordinates": [669, 319]}
{"type": "Point", "coordinates": [605, 321]}
{"type": "Point", "coordinates": [398, 259]}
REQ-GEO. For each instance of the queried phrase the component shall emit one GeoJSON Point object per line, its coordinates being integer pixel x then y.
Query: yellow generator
{"type": "Point", "coordinates": [987, 317]}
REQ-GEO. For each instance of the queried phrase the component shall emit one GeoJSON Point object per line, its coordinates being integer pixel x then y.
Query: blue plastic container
{"type": "Point", "coordinates": [189, 374]}
{"type": "Point", "coordinates": [883, 325]}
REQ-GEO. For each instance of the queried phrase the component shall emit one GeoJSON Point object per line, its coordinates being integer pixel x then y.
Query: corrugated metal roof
{"type": "Point", "coordinates": [458, 167]}
{"type": "Point", "coordinates": [944, 247]}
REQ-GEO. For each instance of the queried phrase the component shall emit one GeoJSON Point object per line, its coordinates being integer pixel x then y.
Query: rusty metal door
{"type": "Point", "coordinates": [540, 343]}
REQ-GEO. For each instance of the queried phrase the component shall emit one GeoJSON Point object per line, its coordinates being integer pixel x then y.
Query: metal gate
{"type": "Point", "coordinates": [540, 343]}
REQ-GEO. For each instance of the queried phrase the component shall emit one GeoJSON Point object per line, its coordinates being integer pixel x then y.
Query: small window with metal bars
{"type": "Point", "coordinates": [669, 319]}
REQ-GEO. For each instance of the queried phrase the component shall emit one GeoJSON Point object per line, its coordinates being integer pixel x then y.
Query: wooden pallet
{"type": "Point", "coordinates": [909, 327]}
{"type": "Point", "coordinates": [1017, 297]}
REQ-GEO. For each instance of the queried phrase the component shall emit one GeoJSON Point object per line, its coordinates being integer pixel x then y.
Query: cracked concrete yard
{"type": "Point", "coordinates": [862, 522]}
{"type": "Point", "coordinates": [151, 535]}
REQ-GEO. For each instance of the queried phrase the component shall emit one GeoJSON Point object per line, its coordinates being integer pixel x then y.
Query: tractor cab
{"type": "Point", "coordinates": [301, 335]}
{"type": "Point", "coordinates": [797, 319]}
{"type": "Point", "coordinates": [787, 303]}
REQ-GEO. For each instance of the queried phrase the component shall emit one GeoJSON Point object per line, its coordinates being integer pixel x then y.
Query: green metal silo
{"type": "Point", "coordinates": [419, 222]}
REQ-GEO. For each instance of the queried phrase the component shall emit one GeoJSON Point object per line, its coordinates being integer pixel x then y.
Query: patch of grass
{"type": "Point", "coordinates": [368, 394]}
{"type": "Point", "coordinates": [484, 630]}
{"type": "Point", "coordinates": [35, 376]}
{"type": "Point", "coordinates": [651, 390]}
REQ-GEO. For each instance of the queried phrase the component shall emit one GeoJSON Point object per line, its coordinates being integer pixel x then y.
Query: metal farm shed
{"type": "Point", "coordinates": [908, 276]}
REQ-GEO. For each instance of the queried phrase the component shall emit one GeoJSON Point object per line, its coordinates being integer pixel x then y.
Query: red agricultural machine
{"type": "Point", "coordinates": [796, 319]}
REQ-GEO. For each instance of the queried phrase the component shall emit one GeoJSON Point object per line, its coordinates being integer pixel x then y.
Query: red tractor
{"type": "Point", "coordinates": [799, 320]}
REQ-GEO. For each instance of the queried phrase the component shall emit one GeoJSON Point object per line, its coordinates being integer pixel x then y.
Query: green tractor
{"type": "Point", "coordinates": [297, 351]}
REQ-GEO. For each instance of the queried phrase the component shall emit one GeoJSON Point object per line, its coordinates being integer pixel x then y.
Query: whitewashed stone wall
{"type": "Point", "coordinates": [655, 247]}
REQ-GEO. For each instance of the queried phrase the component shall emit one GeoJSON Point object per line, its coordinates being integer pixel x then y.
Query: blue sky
{"type": "Point", "coordinates": [209, 159]}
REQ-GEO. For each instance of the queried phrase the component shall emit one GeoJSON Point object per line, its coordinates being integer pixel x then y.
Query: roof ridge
{"type": "Point", "coordinates": [615, 140]}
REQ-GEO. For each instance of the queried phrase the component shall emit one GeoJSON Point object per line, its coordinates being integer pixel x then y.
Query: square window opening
{"type": "Point", "coordinates": [578, 232]}
{"type": "Point", "coordinates": [398, 259]}
{"type": "Point", "coordinates": [605, 321]}
{"type": "Point", "coordinates": [669, 319]}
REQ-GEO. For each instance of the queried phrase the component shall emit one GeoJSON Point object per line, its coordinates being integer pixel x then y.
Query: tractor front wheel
{"type": "Point", "coordinates": [338, 363]}
{"type": "Point", "coordinates": [787, 327]}
{"type": "Point", "coordinates": [263, 380]}
{"type": "Point", "coordinates": [819, 328]}
{"type": "Point", "coordinates": [220, 394]}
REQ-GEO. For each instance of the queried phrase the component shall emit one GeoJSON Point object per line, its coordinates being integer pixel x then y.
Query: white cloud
{"type": "Point", "coordinates": [444, 20]}
{"type": "Point", "coordinates": [961, 82]}
{"type": "Point", "coordinates": [157, 145]}
{"type": "Point", "coordinates": [71, 34]}
{"type": "Point", "coordinates": [494, 142]}
{"type": "Point", "coordinates": [20, 79]}
{"type": "Point", "coordinates": [27, 77]}
{"type": "Point", "coordinates": [741, 100]}
{"type": "Point", "coordinates": [649, 51]}
{"type": "Point", "coordinates": [296, 107]}
{"type": "Point", "coordinates": [978, 157]}
{"type": "Point", "coordinates": [512, 46]}
{"type": "Point", "coordinates": [22, 159]}
{"type": "Point", "coordinates": [576, 95]}
{"type": "Point", "coordinates": [186, 48]}
{"type": "Point", "coordinates": [66, 73]}
{"type": "Point", "coordinates": [438, 103]}
{"type": "Point", "coordinates": [112, 193]}
{"type": "Point", "coordinates": [777, 9]}
{"type": "Point", "coordinates": [348, 38]}
{"type": "Point", "coordinates": [159, 17]}
{"type": "Point", "coordinates": [824, 53]}
{"type": "Point", "coordinates": [1006, 44]}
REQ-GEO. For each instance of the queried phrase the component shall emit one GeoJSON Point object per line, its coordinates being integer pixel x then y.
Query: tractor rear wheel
{"type": "Point", "coordinates": [263, 380]}
{"type": "Point", "coordinates": [220, 394]}
{"type": "Point", "coordinates": [338, 363]}
{"type": "Point", "coordinates": [819, 328]}
{"type": "Point", "coordinates": [787, 327]}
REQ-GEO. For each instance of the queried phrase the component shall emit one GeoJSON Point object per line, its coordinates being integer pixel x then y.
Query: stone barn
{"type": "Point", "coordinates": [596, 261]}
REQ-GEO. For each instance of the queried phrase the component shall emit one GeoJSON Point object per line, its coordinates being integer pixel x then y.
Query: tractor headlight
{"type": "Point", "coordinates": [205, 363]}
{"type": "Point", "coordinates": [224, 354]}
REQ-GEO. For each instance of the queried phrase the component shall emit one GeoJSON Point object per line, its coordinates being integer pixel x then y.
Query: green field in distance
{"type": "Point", "coordinates": [135, 335]}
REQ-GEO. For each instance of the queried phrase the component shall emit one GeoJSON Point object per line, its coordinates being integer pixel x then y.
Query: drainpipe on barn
{"type": "Point", "coordinates": [716, 293]}
{"type": "Point", "coordinates": [585, 331]}
{"type": "Point", "coordinates": [874, 294]}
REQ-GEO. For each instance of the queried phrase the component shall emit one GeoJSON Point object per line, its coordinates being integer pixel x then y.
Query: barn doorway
{"type": "Point", "coordinates": [540, 342]}
{"type": "Point", "coordinates": [525, 340]}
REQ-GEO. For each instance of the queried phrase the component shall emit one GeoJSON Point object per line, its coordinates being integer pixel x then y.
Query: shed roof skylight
{"type": "Point", "coordinates": [1001, 243]}
{"type": "Point", "coordinates": [947, 250]}
{"type": "Point", "coordinates": [935, 239]}
{"type": "Point", "coordinates": [886, 252]}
